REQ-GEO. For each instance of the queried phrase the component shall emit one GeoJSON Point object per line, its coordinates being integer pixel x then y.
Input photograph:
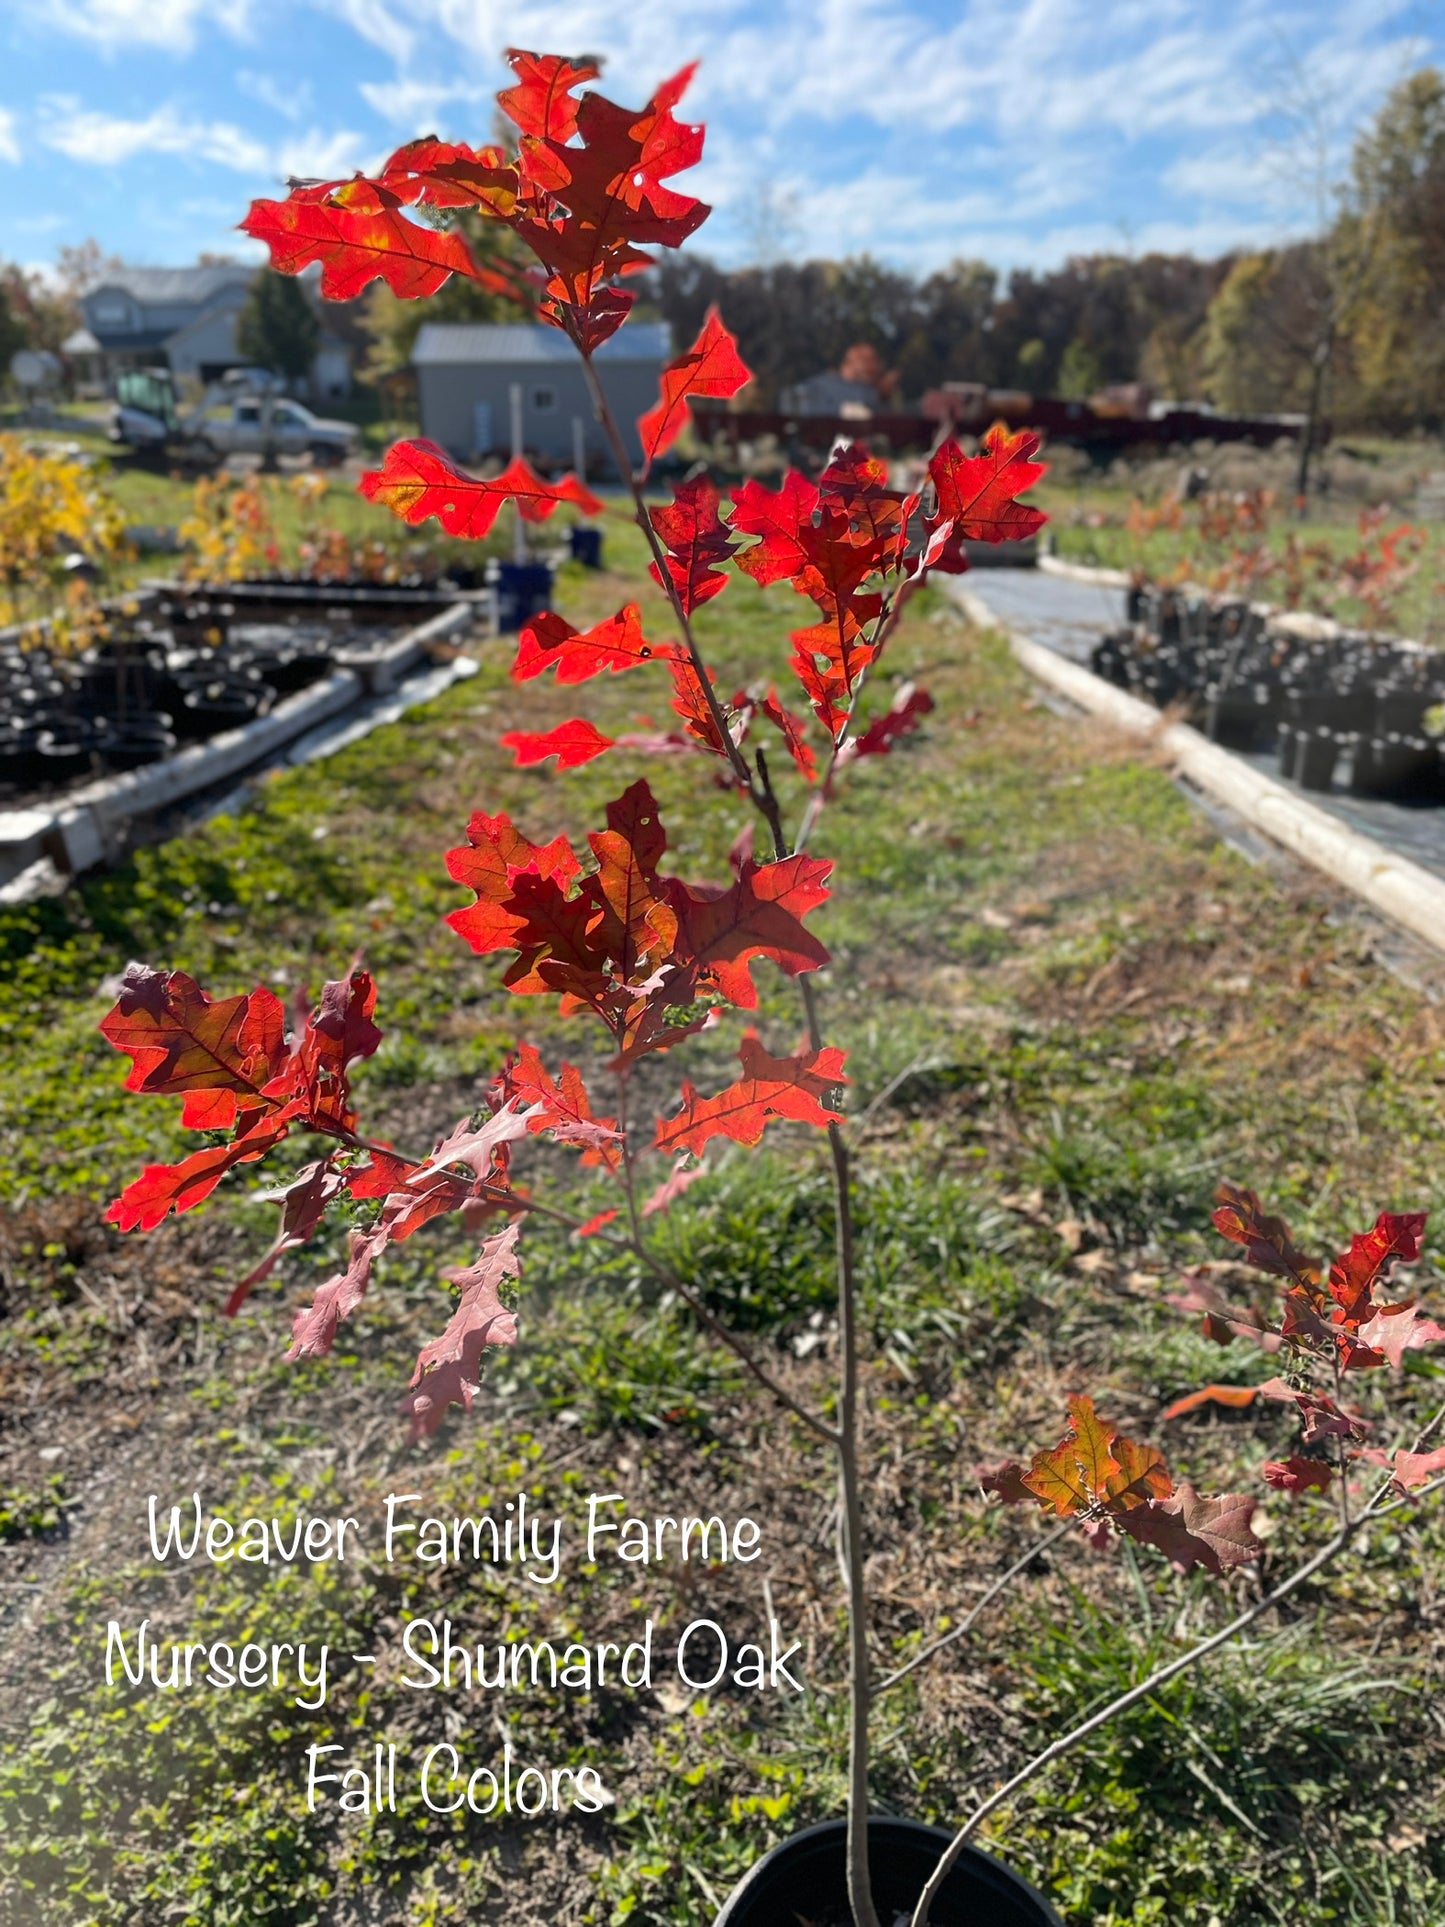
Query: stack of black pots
{"type": "Point", "coordinates": [1334, 705]}
{"type": "Point", "coordinates": [144, 692]}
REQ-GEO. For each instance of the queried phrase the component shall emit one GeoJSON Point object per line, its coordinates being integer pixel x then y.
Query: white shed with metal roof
{"type": "Point", "coordinates": [466, 374]}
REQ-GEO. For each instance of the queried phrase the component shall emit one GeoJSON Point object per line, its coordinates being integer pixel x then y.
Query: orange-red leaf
{"type": "Point", "coordinates": [790, 1087]}
{"type": "Point", "coordinates": [540, 102]}
{"type": "Point", "coordinates": [1236, 1397]}
{"type": "Point", "coordinates": [562, 1107]}
{"type": "Point", "coordinates": [549, 641]}
{"type": "Point", "coordinates": [365, 241]}
{"type": "Point", "coordinates": [976, 495]}
{"type": "Point", "coordinates": [572, 743]}
{"type": "Point", "coordinates": [759, 915]}
{"type": "Point", "coordinates": [179, 1040]}
{"type": "Point", "coordinates": [417, 480]}
{"type": "Point", "coordinates": [495, 853]}
{"type": "Point", "coordinates": [711, 366]}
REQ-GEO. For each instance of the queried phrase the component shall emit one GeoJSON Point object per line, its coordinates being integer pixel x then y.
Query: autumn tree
{"type": "Point", "coordinates": [1399, 171]}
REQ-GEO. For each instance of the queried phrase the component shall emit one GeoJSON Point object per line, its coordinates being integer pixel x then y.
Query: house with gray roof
{"type": "Point", "coordinates": [185, 319]}
{"type": "Point", "coordinates": [467, 375]}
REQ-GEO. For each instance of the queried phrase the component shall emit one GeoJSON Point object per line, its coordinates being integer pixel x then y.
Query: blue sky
{"type": "Point", "coordinates": [1018, 131]}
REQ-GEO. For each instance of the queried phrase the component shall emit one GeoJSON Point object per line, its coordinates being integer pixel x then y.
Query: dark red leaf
{"type": "Point", "coordinates": [696, 540]}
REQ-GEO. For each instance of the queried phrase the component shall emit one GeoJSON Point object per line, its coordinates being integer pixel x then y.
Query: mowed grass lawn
{"type": "Point", "coordinates": [1069, 1011]}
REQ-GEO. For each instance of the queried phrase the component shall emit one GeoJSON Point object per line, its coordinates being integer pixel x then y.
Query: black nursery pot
{"type": "Point", "coordinates": [805, 1879]}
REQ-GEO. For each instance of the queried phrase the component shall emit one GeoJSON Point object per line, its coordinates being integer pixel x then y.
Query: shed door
{"type": "Point", "coordinates": [482, 427]}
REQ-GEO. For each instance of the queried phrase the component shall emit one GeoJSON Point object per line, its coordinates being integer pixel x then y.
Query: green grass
{"type": "Point", "coordinates": [1065, 1005]}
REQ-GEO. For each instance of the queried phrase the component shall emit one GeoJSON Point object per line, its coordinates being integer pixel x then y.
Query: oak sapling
{"type": "Point", "coordinates": [622, 939]}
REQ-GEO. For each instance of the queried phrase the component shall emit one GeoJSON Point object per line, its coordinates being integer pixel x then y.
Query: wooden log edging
{"type": "Point", "coordinates": [1405, 892]}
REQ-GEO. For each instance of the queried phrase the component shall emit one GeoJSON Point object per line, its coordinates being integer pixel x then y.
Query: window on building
{"type": "Point", "coordinates": [544, 400]}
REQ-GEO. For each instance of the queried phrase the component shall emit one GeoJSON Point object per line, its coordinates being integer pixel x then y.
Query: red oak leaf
{"type": "Point", "coordinates": [1236, 1397]}
{"type": "Point", "coordinates": [572, 743]}
{"type": "Point", "coordinates": [784, 522]}
{"type": "Point", "coordinates": [496, 852]}
{"type": "Point", "coordinates": [417, 480]}
{"type": "Point", "coordinates": [1398, 1330]}
{"type": "Point", "coordinates": [903, 715]}
{"type": "Point", "coordinates": [1297, 1475]}
{"type": "Point", "coordinates": [313, 1331]}
{"type": "Point", "coordinates": [790, 727]}
{"type": "Point", "coordinates": [1194, 1531]}
{"type": "Point", "coordinates": [1414, 1469]}
{"type": "Point", "coordinates": [1241, 1218]}
{"type": "Point", "coordinates": [303, 1206]}
{"type": "Point", "coordinates": [162, 1188]}
{"type": "Point", "coordinates": [692, 705]}
{"type": "Point", "coordinates": [448, 1370]}
{"type": "Point", "coordinates": [562, 1107]}
{"type": "Point", "coordinates": [1371, 1257]}
{"type": "Point", "coordinates": [1007, 1480]}
{"type": "Point", "coordinates": [696, 540]}
{"type": "Point", "coordinates": [541, 103]}
{"type": "Point", "coordinates": [1074, 1475]}
{"type": "Point", "coordinates": [364, 240]}
{"type": "Point", "coordinates": [789, 1087]}
{"type": "Point", "coordinates": [975, 495]}
{"type": "Point", "coordinates": [711, 366]}
{"type": "Point", "coordinates": [229, 1061]}
{"type": "Point", "coordinates": [587, 206]}
{"type": "Point", "coordinates": [637, 925]}
{"type": "Point", "coordinates": [180, 1040]}
{"type": "Point", "coordinates": [759, 915]}
{"type": "Point", "coordinates": [549, 641]}
{"type": "Point", "coordinates": [597, 1223]}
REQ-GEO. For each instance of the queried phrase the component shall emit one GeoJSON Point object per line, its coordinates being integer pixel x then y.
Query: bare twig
{"type": "Point", "coordinates": [980, 1606]}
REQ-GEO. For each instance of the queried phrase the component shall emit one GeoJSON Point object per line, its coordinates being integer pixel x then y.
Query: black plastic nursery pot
{"type": "Point", "coordinates": [805, 1880]}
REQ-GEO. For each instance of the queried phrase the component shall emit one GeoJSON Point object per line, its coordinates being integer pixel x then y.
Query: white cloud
{"type": "Point", "coordinates": [416, 106]}
{"type": "Point", "coordinates": [9, 145]}
{"type": "Point", "coordinates": [108, 140]}
{"type": "Point", "coordinates": [290, 97]}
{"type": "Point", "coordinates": [116, 25]}
{"type": "Point", "coordinates": [375, 22]}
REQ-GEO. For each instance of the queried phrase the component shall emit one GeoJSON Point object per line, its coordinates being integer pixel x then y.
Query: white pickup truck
{"type": "Point", "coordinates": [147, 418]}
{"type": "Point", "coordinates": [241, 429]}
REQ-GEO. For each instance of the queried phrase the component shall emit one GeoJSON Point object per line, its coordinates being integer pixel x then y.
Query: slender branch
{"type": "Point", "coordinates": [1121, 1704]}
{"type": "Point", "coordinates": [659, 556]}
{"type": "Point", "coordinates": [860, 1894]}
{"type": "Point", "coordinates": [981, 1606]}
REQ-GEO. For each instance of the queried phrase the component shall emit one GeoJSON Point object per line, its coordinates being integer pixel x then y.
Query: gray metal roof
{"type": "Point", "coordinates": [176, 285]}
{"type": "Point", "coordinates": [443, 343]}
